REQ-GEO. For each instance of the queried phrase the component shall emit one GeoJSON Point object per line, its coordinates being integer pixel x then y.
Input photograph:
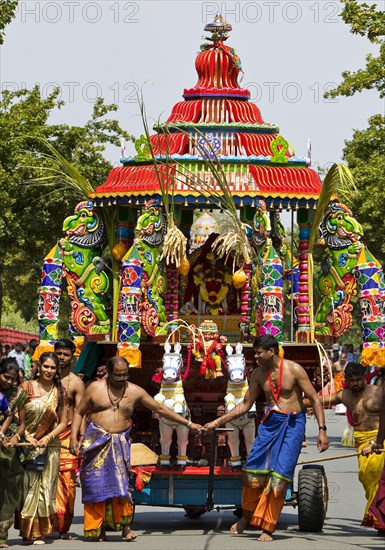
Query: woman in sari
{"type": "Point", "coordinates": [11, 470]}
{"type": "Point", "coordinates": [46, 419]}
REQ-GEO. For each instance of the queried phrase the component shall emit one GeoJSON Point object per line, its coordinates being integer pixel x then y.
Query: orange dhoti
{"type": "Point", "coordinates": [66, 486]}
{"type": "Point", "coordinates": [113, 513]}
{"type": "Point", "coordinates": [269, 468]}
{"type": "Point", "coordinates": [262, 504]}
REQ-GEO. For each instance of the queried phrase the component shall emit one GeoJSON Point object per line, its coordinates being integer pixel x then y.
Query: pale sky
{"type": "Point", "coordinates": [291, 51]}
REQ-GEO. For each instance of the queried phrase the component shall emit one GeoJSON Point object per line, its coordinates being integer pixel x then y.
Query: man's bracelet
{"type": "Point", "coordinates": [324, 428]}
{"type": "Point", "coordinates": [188, 424]}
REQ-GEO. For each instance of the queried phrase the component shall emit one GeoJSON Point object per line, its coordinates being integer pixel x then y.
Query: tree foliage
{"type": "Point", "coordinates": [367, 21]}
{"type": "Point", "coordinates": [364, 153]}
{"type": "Point", "coordinates": [31, 215]}
{"type": "Point", "coordinates": [7, 13]}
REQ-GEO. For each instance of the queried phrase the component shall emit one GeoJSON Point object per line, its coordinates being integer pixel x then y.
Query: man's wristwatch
{"type": "Point", "coordinates": [324, 428]}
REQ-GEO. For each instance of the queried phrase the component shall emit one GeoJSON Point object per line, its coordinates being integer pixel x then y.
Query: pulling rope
{"type": "Point", "coordinates": [52, 445]}
{"type": "Point", "coordinates": [337, 457]}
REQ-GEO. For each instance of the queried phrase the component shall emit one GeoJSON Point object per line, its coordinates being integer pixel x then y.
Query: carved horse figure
{"type": "Point", "coordinates": [237, 386]}
{"type": "Point", "coordinates": [171, 395]}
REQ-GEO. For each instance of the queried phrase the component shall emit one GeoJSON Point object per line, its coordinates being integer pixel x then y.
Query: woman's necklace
{"type": "Point", "coordinates": [276, 394]}
{"type": "Point", "coordinates": [41, 388]}
{"type": "Point", "coordinates": [115, 405]}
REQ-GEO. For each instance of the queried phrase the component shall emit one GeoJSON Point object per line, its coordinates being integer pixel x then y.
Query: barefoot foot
{"type": "Point", "coordinates": [239, 527]}
{"type": "Point", "coordinates": [4, 545]}
{"type": "Point", "coordinates": [101, 538]}
{"type": "Point", "coordinates": [128, 535]}
{"type": "Point", "coordinates": [265, 537]}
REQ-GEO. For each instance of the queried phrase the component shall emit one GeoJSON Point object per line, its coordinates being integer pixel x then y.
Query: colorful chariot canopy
{"type": "Point", "coordinates": [257, 160]}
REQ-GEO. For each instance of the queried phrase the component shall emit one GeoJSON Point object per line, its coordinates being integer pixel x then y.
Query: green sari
{"type": "Point", "coordinates": [11, 470]}
{"type": "Point", "coordinates": [39, 494]}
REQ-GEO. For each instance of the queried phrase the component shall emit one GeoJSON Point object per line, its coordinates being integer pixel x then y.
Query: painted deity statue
{"type": "Point", "coordinates": [267, 278]}
{"type": "Point", "coordinates": [151, 228]}
{"type": "Point", "coordinates": [213, 278]}
{"type": "Point", "coordinates": [83, 268]}
{"type": "Point", "coordinates": [143, 284]}
{"type": "Point", "coordinates": [341, 234]}
{"type": "Point", "coordinates": [77, 258]}
{"type": "Point", "coordinates": [210, 352]}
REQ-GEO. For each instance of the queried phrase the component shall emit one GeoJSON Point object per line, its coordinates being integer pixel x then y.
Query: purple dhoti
{"type": "Point", "coordinates": [105, 467]}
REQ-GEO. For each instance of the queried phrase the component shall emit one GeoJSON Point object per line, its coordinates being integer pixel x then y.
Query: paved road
{"type": "Point", "coordinates": [168, 529]}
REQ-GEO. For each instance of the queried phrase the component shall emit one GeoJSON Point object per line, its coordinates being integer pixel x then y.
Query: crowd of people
{"type": "Point", "coordinates": [39, 458]}
{"type": "Point", "coordinates": [22, 353]}
{"type": "Point", "coordinates": [49, 421]}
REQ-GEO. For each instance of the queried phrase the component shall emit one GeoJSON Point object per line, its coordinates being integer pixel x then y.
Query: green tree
{"type": "Point", "coordinates": [7, 13]}
{"type": "Point", "coordinates": [364, 153]}
{"type": "Point", "coordinates": [31, 215]}
{"type": "Point", "coordinates": [369, 22]}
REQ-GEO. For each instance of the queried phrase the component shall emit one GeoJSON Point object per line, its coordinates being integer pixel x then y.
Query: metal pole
{"type": "Point", "coordinates": [213, 452]}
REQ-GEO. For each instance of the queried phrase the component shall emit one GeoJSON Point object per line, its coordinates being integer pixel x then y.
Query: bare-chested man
{"type": "Point", "coordinates": [66, 487]}
{"type": "Point", "coordinates": [270, 465]}
{"type": "Point", "coordinates": [105, 468]}
{"type": "Point", "coordinates": [364, 403]}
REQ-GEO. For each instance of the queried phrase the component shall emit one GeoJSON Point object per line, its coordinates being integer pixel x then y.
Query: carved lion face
{"type": "Point", "coordinates": [339, 228]}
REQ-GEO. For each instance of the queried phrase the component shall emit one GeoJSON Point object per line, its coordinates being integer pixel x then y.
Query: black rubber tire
{"type": "Point", "coordinates": [312, 499]}
{"type": "Point", "coordinates": [195, 512]}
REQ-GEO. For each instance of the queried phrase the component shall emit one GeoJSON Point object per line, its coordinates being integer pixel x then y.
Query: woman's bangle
{"type": "Point", "coordinates": [188, 424]}
{"type": "Point", "coordinates": [18, 437]}
{"type": "Point", "coordinates": [216, 423]}
{"type": "Point", "coordinates": [372, 442]}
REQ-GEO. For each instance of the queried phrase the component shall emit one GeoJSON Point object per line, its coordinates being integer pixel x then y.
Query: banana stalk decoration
{"type": "Point", "coordinates": [175, 243]}
{"type": "Point", "coordinates": [233, 238]}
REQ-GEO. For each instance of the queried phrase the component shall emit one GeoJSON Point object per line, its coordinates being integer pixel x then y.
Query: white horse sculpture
{"type": "Point", "coordinates": [171, 395]}
{"type": "Point", "coordinates": [237, 386]}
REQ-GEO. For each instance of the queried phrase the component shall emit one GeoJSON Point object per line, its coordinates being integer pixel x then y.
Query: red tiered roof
{"type": "Point", "coordinates": [256, 144]}
{"type": "Point", "coordinates": [218, 71]}
{"type": "Point", "coordinates": [217, 99]}
{"type": "Point", "coordinates": [215, 110]}
{"type": "Point", "coordinates": [170, 144]}
{"type": "Point", "coordinates": [277, 181]}
{"type": "Point", "coordinates": [273, 181]}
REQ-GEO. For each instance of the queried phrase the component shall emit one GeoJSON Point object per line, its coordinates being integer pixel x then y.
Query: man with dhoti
{"type": "Point", "coordinates": [270, 465]}
{"type": "Point", "coordinates": [363, 402]}
{"type": "Point", "coordinates": [105, 449]}
{"type": "Point", "coordinates": [66, 486]}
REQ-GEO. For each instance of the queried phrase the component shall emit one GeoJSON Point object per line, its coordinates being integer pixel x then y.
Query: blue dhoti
{"type": "Point", "coordinates": [270, 466]}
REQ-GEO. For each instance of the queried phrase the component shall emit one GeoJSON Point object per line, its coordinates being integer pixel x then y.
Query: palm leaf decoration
{"type": "Point", "coordinates": [233, 238]}
{"type": "Point", "coordinates": [338, 181]}
{"type": "Point", "coordinates": [175, 243]}
{"type": "Point", "coordinates": [61, 173]}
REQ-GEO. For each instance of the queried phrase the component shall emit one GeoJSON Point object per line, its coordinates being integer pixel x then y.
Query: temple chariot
{"type": "Point", "coordinates": [183, 251]}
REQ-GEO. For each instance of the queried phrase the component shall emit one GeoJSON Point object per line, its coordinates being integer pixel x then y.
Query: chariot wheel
{"type": "Point", "coordinates": [195, 512]}
{"type": "Point", "coordinates": [312, 498]}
